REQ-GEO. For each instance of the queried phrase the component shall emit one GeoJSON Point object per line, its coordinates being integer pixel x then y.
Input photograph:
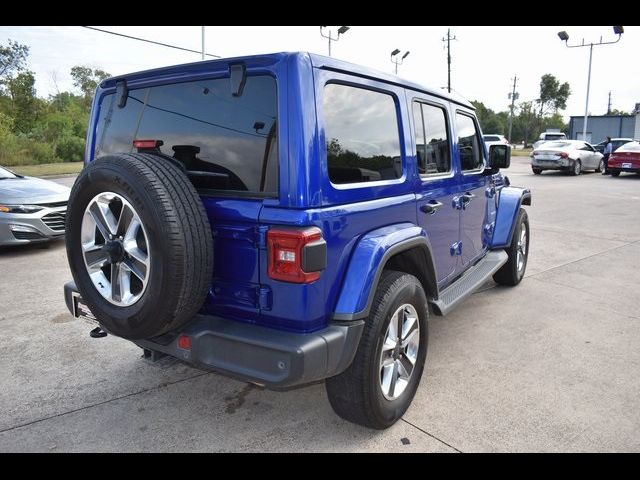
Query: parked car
{"type": "Point", "coordinates": [289, 218]}
{"type": "Point", "coordinates": [625, 159]}
{"type": "Point", "coordinates": [31, 209]}
{"type": "Point", "coordinates": [494, 139]}
{"type": "Point", "coordinates": [615, 144]}
{"type": "Point", "coordinates": [572, 156]}
{"type": "Point", "coordinates": [548, 137]}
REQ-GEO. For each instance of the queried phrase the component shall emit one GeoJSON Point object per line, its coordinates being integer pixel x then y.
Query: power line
{"type": "Point", "coordinates": [150, 41]}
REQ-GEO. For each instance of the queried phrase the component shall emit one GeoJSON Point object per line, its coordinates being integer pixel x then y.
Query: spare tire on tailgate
{"type": "Point", "coordinates": [139, 244]}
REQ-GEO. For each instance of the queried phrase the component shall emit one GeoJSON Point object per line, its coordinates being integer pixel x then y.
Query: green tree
{"type": "Point", "coordinates": [490, 122]}
{"type": "Point", "coordinates": [615, 111]}
{"type": "Point", "coordinates": [25, 107]}
{"type": "Point", "coordinates": [553, 95]}
{"type": "Point", "coordinates": [87, 81]}
{"type": "Point", "coordinates": [525, 122]}
{"type": "Point", "coordinates": [13, 59]}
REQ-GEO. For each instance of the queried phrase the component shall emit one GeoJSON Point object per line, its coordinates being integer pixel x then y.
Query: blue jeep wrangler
{"type": "Point", "coordinates": [289, 218]}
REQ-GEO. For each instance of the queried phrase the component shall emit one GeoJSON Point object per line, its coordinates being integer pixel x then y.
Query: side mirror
{"type": "Point", "coordinates": [499, 156]}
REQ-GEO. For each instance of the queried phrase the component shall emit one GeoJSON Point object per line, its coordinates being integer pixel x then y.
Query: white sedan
{"type": "Point", "coordinates": [494, 139]}
{"type": "Point", "coordinates": [572, 156]}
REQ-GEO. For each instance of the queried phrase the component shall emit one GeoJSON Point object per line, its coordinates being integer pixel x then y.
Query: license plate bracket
{"type": "Point", "coordinates": [82, 311]}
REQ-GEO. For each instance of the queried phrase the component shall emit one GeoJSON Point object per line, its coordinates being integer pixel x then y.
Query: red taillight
{"type": "Point", "coordinates": [184, 342]}
{"type": "Point", "coordinates": [290, 252]}
{"type": "Point", "coordinates": [148, 143]}
{"type": "Point", "coordinates": [563, 155]}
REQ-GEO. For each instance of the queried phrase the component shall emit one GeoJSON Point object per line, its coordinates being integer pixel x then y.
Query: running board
{"type": "Point", "coordinates": [455, 293]}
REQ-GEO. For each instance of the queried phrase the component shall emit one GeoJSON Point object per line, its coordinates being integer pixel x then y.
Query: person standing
{"type": "Point", "coordinates": [608, 149]}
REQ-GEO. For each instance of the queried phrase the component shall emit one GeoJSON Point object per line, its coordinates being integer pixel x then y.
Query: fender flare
{"type": "Point", "coordinates": [509, 202]}
{"type": "Point", "coordinates": [368, 260]}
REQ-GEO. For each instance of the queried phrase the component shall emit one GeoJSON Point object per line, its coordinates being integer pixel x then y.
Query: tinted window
{"type": "Point", "coordinates": [432, 141]}
{"type": "Point", "coordinates": [557, 136]}
{"type": "Point", "coordinates": [232, 139]}
{"type": "Point", "coordinates": [468, 145]}
{"type": "Point", "coordinates": [491, 138]}
{"type": "Point", "coordinates": [361, 129]}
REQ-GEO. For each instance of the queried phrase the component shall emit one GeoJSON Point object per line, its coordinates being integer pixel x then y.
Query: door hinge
{"type": "Point", "coordinates": [265, 298]}
{"type": "Point", "coordinates": [261, 236]}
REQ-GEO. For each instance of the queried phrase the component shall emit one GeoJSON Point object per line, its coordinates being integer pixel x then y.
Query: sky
{"type": "Point", "coordinates": [484, 59]}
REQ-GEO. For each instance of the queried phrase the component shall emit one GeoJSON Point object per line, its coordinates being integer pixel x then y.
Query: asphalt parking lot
{"type": "Point", "coordinates": [551, 365]}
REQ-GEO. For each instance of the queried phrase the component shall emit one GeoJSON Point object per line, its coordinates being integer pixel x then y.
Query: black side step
{"type": "Point", "coordinates": [455, 293]}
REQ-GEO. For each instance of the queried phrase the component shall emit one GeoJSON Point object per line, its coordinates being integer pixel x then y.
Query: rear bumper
{"type": "Point", "coordinates": [563, 164]}
{"type": "Point", "coordinates": [270, 357]}
{"type": "Point", "coordinates": [632, 169]}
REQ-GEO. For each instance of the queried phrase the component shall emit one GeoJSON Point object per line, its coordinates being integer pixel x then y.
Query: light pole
{"type": "Point", "coordinates": [395, 60]}
{"type": "Point", "coordinates": [342, 30]}
{"type": "Point", "coordinates": [564, 36]}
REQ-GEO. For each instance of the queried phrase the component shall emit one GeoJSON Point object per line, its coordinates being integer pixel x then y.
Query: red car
{"type": "Point", "coordinates": [625, 159]}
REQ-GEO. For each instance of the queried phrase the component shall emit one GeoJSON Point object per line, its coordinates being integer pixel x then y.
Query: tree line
{"type": "Point", "coordinates": [36, 130]}
{"type": "Point", "coordinates": [530, 117]}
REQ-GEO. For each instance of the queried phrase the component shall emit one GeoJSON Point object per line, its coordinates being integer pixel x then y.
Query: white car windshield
{"type": "Point", "coordinates": [4, 173]}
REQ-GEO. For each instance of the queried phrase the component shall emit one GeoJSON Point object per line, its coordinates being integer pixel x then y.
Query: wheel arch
{"type": "Point", "coordinates": [509, 203]}
{"type": "Point", "coordinates": [403, 247]}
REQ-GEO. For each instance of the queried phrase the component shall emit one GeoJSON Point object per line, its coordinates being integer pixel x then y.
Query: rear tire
{"type": "Point", "coordinates": [364, 393]}
{"type": "Point", "coordinates": [615, 174]}
{"type": "Point", "coordinates": [576, 168]}
{"type": "Point", "coordinates": [173, 242]}
{"type": "Point", "coordinates": [512, 272]}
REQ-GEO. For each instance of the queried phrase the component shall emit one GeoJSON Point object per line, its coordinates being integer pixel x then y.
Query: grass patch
{"type": "Point", "coordinates": [48, 169]}
{"type": "Point", "coordinates": [520, 153]}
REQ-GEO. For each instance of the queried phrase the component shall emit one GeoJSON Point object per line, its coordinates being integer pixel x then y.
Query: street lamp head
{"type": "Point", "coordinates": [618, 30]}
{"type": "Point", "coordinates": [342, 30]}
{"type": "Point", "coordinates": [395, 52]}
{"type": "Point", "coordinates": [564, 36]}
{"type": "Point", "coordinates": [405, 55]}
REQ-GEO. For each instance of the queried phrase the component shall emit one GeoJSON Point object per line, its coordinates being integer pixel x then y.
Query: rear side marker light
{"type": "Point", "coordinates": [147, 144]}
{"type": "Point", "coordinates": [184, 342]}
{"type": "Point", "coordinates": [296, 255]}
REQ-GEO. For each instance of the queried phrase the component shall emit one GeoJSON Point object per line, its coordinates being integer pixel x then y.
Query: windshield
{"type": "Point", "coordinates": [4, 173]}
{"type": "Point", "coordinates": [491, 138]}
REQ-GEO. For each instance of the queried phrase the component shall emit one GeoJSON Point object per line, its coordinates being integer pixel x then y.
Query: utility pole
{"type": "Point", "coordinates": [203, 43]}
{"type": "Point", "coordinates": [448, 40]}
{"type": "Point", "coordinates": [513, 96]}
{"type": "Point", "coordinates": [609, 104]}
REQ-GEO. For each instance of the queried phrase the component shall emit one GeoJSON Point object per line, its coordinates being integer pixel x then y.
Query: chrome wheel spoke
{"type": "Point", "coordinates": [119, 263]}
{"type": "Point", "coordinates": [126, 216]}
{"type": "Point", "coordinates": [399, 351]}
{"type": "Point", "coordinates": [138, 268]}
{"type": "Point", "coordinates": [116, 282]}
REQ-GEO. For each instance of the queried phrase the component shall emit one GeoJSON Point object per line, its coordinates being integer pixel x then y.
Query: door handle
{"type": "Point", "coordinates": [466, 198]}
{"type": "Point", "coordinates": [431, 208]}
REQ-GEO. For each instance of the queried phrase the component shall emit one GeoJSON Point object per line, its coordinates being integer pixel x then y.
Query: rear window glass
{"type": "Point", "coordinates": [361, 130]}
{"type": "Point", "coordinates": [225, 142]}
{"type": "Point", "coordinates": [630, 147]}
{"type": "Point", "coordinates": [558, 145]}
{"type": "Point", "coordinates": [558, 136]}
{"type": "Point", "coordinates": [491, 138]}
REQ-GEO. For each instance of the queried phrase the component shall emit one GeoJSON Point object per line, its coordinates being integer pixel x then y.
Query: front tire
{"type": "Point", "coordinates": [537, 171]}
{"type": "Point", "coordinates": [601, 166]}
{"type": "Point", "coordinates": [378, 387]}
{"type": "Point", "coordinates": [512, 272]}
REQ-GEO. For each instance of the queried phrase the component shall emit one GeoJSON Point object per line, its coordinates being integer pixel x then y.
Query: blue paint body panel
{"type": "Point", "coordinates": [509, 201]}
{"type": "Point", "coordinates": [361, 223]}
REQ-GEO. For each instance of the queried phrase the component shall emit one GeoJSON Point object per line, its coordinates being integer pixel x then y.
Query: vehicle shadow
{"type": "Point", "coordinates": [15, 251]}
